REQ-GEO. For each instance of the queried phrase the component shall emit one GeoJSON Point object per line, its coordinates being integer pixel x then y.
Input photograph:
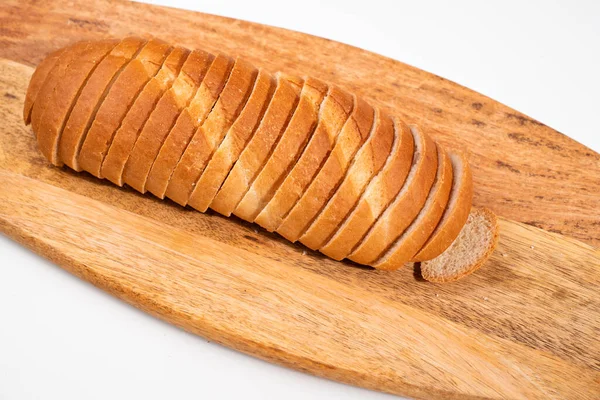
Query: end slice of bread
{"type": "Point", "coordinates": [54, 93]}
{"type": "Point", "coordinates": [37, 81]}
{"type": "Point", "coordinates": [48, 89]}
{"type": "Point", "coordinates": [471, 249]}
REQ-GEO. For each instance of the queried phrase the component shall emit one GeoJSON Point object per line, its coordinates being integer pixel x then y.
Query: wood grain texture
{"type": "Point", "coordinates": [525, 326]}
{"type": "Point", "coordinates": [555, 187]}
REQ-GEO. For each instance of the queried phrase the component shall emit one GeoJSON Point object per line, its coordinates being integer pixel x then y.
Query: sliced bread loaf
{"type": "Point", "coordinates": [298, 156]}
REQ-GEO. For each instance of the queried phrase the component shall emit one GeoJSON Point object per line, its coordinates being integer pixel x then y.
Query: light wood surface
{"type": "Point", "coordinates": [525, 326]}
{"type": "Point", "coordinates": [520, 165]}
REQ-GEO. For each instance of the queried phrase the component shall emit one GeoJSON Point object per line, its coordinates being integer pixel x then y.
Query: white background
{"type": "Point", "coordinates": [60, 338]}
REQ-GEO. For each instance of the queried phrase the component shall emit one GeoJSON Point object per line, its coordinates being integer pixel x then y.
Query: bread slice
{"type": "Point", "coordinates": [369, 160]}
{"type": "Point", "coordinates": [185, 128]}
{"type": "Point", "coordinates": [207, 139]}
{"type": "Point", "coordinates": [382, 189]}
{"type": "Point", "coordinates": [184, 83]}
{"type": "Point", "coordinates": [469, 251]}
{"type": "Point", "coordinates": [259, 148]}
{"type": "Point", "coordinates": [71, 77]}
{"type": "Point", "coordinates": [48, 89]}
{"type": "Point", "coordinates": [126, 136]}
{"type": "Point", "coordinates": [92, 96]}
{"type": "Point", "coordinates": [456, 212]}
{"type": "Point", "coordinates": [405, 207]}
{"type": "Point", "coordinates": [334, 112]}
{"type": "Point", "coordinates": [413, 238]}
{"type": "Point", "coordinates": [234, 143]}
{"type": "Point", "coordinates": [37, 81]}
{"type": "Point", "coordinates": [353, 135]}
{"type": "Point", "coordinates": [301, 127]}
{"type": "Point", "coordinates": [118, 101]}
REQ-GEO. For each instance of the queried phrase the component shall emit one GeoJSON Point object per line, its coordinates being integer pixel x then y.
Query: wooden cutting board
{"type": "Point", "coordinates": [525, 326]}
